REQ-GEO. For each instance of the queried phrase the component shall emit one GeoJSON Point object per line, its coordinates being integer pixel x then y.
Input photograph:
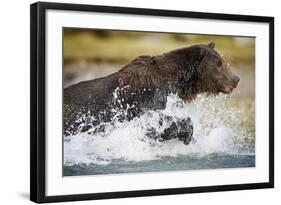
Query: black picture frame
{"type": "Point", "coordinates": [38, 101]}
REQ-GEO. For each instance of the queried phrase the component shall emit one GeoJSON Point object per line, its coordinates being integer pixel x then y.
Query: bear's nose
{"type": "Point", "coordinates": [236, 79]}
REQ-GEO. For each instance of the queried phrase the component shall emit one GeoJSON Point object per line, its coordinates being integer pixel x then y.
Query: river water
{"type": "Point", "coordinates": [220, 141]}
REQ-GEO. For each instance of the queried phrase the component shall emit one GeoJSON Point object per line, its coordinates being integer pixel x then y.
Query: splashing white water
{"type": "Point", "coordinates": [216, 130]}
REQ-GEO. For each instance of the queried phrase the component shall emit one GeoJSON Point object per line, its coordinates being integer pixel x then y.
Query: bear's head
{"type": "Point", "coordinates": [201, 69]}
{"type": "Point", "coordinates": [216, 75]}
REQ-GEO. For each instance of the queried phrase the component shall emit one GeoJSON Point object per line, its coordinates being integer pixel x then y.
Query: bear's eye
{"type": "Point", "coordinates": [219, 63]}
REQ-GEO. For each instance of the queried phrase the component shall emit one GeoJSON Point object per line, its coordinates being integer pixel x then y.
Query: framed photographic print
{"type": "Point", "coordinates": [129, 102]}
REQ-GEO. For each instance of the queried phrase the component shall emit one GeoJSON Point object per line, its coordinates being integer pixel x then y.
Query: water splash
{"type": "Point", "coordinates": [217, 129]}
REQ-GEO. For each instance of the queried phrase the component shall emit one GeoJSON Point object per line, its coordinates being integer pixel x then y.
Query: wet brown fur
{"type": "Point", "coordinates": [145, 83]}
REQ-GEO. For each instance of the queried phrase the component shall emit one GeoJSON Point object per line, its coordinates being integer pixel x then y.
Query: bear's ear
{"type": "Point", "coordinates": [212, 45]}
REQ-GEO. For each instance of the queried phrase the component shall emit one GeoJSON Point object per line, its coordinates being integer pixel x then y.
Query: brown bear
{"type": "Point", "coordinates": [144, 84]}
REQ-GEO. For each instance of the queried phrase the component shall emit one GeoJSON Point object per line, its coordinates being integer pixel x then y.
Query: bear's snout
{"type": "Point", "coordinates": [235, 80]}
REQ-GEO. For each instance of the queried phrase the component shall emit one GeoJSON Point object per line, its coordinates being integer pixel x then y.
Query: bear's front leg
{"type": "Point", "coordinates": [181, 129]}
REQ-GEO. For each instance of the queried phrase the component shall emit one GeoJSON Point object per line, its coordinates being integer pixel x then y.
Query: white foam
{"type": "Point", "coordinates": [216, 130]}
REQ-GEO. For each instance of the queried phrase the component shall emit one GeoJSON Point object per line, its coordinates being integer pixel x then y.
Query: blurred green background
{"type": "Point", "coordinates": [121, 47]}
{"type": "Point", "coordinates": [90, 54]}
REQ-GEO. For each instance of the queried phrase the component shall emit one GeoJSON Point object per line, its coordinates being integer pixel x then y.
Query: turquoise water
{"type": "Point", "coordinates": [212, 161]}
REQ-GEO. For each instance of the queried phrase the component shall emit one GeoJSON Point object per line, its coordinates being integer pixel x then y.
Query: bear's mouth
{"type": "Point", "coordinates": [225, 88]}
